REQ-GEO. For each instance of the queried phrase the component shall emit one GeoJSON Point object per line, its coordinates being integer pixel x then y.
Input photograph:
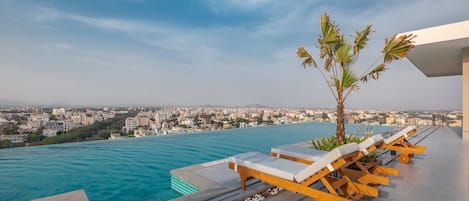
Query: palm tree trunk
{"type": "Point", "coordinates": [340, 129]}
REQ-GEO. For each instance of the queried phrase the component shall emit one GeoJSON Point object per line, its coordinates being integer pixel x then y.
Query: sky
{"type": "Point", "coordinates": [208, 52]}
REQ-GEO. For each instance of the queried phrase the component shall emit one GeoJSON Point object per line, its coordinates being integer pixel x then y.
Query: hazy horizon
{"type": "Point", "coordinates": [253, 106]}
{"type": "Point", "coordinates": [233, 52]}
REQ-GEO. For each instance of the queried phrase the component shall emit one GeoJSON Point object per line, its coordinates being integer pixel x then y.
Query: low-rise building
{"type": "Point", "coordinates": [18, 138]}
{"type": "Point", "coordinates": [53, 128]}
{"type": "Point", "coordinates": [130, 124]}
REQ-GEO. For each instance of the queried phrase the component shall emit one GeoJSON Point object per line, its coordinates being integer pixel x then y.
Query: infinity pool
{"type": "Point", "coordinates": [135, 169]}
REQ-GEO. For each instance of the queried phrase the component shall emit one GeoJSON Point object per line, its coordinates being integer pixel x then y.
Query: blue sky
{"type": "Point", "coordinates": [233, 52]}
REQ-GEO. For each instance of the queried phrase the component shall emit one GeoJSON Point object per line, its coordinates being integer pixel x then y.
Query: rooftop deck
{"type": "Point", "coordinates": [442, 173]}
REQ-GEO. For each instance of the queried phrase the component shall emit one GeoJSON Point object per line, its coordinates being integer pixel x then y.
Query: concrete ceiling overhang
{"type": "Point", "coordinates": [438, 50]}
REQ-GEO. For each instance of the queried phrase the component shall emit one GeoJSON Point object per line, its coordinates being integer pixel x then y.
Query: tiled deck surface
{"type": "Point", "coordinates": [439, 174]}
{"type": "Point", "coordinates": [78, 195]}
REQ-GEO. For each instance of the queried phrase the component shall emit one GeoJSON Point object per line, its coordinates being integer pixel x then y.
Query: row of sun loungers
{"type": "Point", "coordinates": [340, 170]}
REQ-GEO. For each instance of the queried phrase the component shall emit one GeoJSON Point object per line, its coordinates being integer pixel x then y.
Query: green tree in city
{"type": "Point", "coordinates": [337, 55]}
{"type": "Point", "coordinates": [35, 137]}
{"type": "Point", "coordinates": [5, 144]}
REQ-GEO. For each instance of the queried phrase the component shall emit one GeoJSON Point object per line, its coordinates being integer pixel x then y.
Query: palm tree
{"type": "Point", "coordinates": [338, 55]}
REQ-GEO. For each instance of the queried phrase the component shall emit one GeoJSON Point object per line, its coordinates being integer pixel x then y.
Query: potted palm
{"type": "Point", "coordinates": [337, 56]}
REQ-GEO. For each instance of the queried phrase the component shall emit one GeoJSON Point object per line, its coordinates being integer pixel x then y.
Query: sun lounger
{"type": "Point", "coordinates": [364, 173]}
{"type": "Point", "coordinates": [399, 143]}
{"type": "Point", "coordinates": [298, 177]}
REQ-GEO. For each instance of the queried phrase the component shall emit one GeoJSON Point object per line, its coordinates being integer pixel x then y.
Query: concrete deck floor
{"type": "Point", "coordinates": [78, 195]}
{"type": "Point", "coordinates": [439, 174]}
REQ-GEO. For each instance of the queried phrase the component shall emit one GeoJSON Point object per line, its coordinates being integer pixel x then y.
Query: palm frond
{"type": "Point", "coordinates": [396, 48]}
{"type": "Point", "coordinates": [329, 31]}
{"type": "Point", "coordinates": [349, 80]}
{"type": "Point", "coordinates": [343, 55]}
{"type": "Point", "coordinates": [308, 59]}
{"type": "Point", "coordinates": [325, 22]}
{"type": "Point", "coordinates": [328, 40]}
{"type": "Point", "coordinates": [374, 73]}
{"type": "Point", "coordinates": [361, 39]}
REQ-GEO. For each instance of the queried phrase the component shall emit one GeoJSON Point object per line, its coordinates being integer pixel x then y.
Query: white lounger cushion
{"type": "Point", "coordinates": [370, 141]}
{"type": "Point", "coordinates": [270, 165]}
{"type": "Point", "coordinates": [304, 153]}
{"type": "Point", "coordinates": [312, 155]}
{"type": "Point", "coordinates": [326, 161]}
{"type": "Point", "coordinates": [399, 134]}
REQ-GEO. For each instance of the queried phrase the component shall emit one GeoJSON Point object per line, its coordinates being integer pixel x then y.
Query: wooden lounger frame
{"type": "Point", "coordinates": [404, 147]}
{"type": "Point", "coordinates": [367, 173]}
{"type": "Point", "coordinates": [338, 189]}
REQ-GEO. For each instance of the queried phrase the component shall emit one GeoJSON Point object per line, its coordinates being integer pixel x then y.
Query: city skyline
{"type": "Point", "coordinates": [232, 53]}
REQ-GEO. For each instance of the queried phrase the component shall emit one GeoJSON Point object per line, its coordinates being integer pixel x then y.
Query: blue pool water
{"type": "Point", "coordinates": [135, 169]}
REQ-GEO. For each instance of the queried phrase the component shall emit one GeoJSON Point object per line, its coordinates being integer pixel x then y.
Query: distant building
{"type": "Point", "coordinates": [76, 118]}
{"type": "Point", "coordinates": [3, 121]}
{"type": "Point", "coordinates": [242, 124]}
{"type": "Point", "coordinates": [69, 125]}
{"type": "Point", "coordinates": [89, 120]}
{"type": "Point", "coordinates": [58, 111]}
{"type": "Point", "coordinates": [160, 117]}
{"type": "Point", "coordinates": [53, 128]}
{"type": "Point", "coordinates": [98, 118]}
{"type": "Point", "coordinates": [140, 132]}
{"type": "Point", "coordinates": [19, 138]}
{"type": "Point", "coordinates": [143, 121]}
{"type": "Point", "coordinates": [40, 118]}
{"type": "Point", "coordinates": [115, 136]}
{"type": "Point", "coordinates": [130, 124]}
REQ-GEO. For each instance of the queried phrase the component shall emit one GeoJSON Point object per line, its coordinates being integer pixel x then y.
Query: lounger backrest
{"type": "Point", "coordinates": [326, 161]}
{"type": "Point", "coordinates": [369, 142]}
{"type": "Point", "coordinates": [306, 153]}
{"type": "Point", "coordinates": [399, 134]}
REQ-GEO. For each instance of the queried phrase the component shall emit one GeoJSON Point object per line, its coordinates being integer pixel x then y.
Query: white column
{"type": "Point", "coordinates": [465, 92]}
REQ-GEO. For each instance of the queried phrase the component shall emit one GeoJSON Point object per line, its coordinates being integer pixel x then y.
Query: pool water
{"type": "Point", "coordinates": [135, 169]}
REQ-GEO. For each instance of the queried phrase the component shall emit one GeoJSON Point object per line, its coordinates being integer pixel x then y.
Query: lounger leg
{"type": "Point", "coordinates": [406, 149]}
{"type": "Point", "coordinates": [352, 189]}
{"type": "Point", "coordinates": [385, 171]}
{"type": "Point", "coordinates": [243, 182]}
{"type": "Point", "coordinates": [326, 182]}
{"type": "Point", "coordinates": [243, 178]}
{"type": "Point", "coordinates": [367, 190]}
{"type": "Point", "coordinates": [365, 178]}
{"type": "Point", "coordinates": [242, 175]}
{"type": "Point", "coordinates": [374, 168]}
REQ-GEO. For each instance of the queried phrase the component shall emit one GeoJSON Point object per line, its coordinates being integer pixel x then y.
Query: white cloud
{"type": "Point", "coordinates": [249, 4]}
{"type": "Point", "coordinates": [56, 45]}
{"type": "Point", "coordinates": [192, 44]}
{"type": "Point", "coordinates": [219, 6]}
